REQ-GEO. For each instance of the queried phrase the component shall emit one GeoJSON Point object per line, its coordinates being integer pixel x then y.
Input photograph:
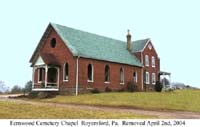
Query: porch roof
{"type": "Point", "coordinates": [50, 59]}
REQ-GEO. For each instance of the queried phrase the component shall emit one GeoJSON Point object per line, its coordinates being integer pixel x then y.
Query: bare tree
{"type": "Point", "coordinates": [16, 89]}
{"type": "Point", "coordinates": [3, 87]}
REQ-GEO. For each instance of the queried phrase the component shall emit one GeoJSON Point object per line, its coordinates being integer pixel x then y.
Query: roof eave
{"type": "Point", "coordinates": [45, 34]}
{"type": "Point", "coordinates": [109, 61]}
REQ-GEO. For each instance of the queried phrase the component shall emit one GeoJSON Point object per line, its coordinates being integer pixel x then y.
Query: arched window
{"type": "Point", "coordinates": [135, 76]}
{"type": "Point", "coordinates": [121, 75]}
{"type": "Point", "coordinates": [53, 43]}
{"type": "Point", "coordinates": [146, 60]}
{"type": "Point", "coordinates": [65, 72]}
{"type": "Point", "coordinates": [90, 72]}
{"type": "Point", "coordinates": [107, 73]}
{"type": "Point", "coordinates": [153, 61]}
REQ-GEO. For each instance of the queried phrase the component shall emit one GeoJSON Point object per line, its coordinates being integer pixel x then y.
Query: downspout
{"type": "Point", "coordinates": [142, 77]}
{"type": "Point", "coordinates": [77, 75]}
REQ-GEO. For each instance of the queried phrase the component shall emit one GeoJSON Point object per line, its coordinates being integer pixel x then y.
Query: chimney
{"type": "Point", "coordinates": [128, 41]}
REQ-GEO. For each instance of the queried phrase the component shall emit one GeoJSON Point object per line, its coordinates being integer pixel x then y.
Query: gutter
{"type": "Point", "coordinates": [77, 75]}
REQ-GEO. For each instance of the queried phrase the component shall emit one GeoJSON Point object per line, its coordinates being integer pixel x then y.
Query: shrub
{"type": "Point", "coordinates": [121, 90]}
{"type": "Point", "coordinates": [16, 89]}
{"type": "Point", "coordinates": [158, 86]}
{"type": "Point", "coordinates": [95, 90]}
{"type": "Point", "coordinates": [107, 89]}
{"type": "Point", "coordinates": [131, 87]}
{"type": "Point", "coordinates": [42, 95]}
{"type": "Point", "coordinates": [33, 94]}
{"type": "Point", "coordinates": [28, 86]}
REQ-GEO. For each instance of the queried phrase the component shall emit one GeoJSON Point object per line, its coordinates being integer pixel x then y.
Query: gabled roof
{"type": "Point", "coordinates": [89, 45]}
{"type": "Point", "coordinates": [138, 46]}
{"type": "Point", "coordinates": [94, 46]}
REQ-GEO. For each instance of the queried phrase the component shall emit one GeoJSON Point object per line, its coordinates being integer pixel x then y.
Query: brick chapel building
{"type": "Point", "coordinates": [72, 61]}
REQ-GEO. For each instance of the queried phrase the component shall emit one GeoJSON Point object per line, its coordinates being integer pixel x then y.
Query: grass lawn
{"type": "Point", "coordinates": [186, 100]}
{"type": "Point", "coordinates": [13, 110]}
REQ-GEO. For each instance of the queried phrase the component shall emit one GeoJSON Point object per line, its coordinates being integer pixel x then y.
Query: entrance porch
{"type": "Point", "coordinates": [45, 78]}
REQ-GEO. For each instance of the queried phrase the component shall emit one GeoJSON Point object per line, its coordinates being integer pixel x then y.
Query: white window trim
{"type": "Point", "coordinates": [107, 82]}
{"type": "Point", "coordinates": [147, 82]}
{"type": "Point", "coordinates": [122, 82]}
{"type": "Point", "coordinates": [146, 56]}
{"type": "Point", "coordinates": [153, 58]}
{"type": "Point", "coordinates": [135, 79]}
{"type": "Point", "coordinates": [65, 80]}
{"type": "Point", "coordinates": [90, 81]}
{"type": "Point", "coordinates": [92, 74]}
{"type": "Point", "coordinates": [154, 78]}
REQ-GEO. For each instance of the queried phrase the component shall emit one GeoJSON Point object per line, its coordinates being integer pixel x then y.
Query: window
{"type": "Point", "coordinates": [153, 78]}
{"type": "Point", "coordinates": [135, 76]}
{"type": "Point", "coordinates": [53, 43]}
{"type": "Point", "coordinates": [121, 75]}
{"type": "Point", "coordinates": [147, 77]}
{"type": "Point", "coordinates": [90, 73]}
{"type": "Point", "coordinates": [146, 60]}
{"type": "Point", "coordinates": [40, 74]}
{"type": "Point", "coordinates": [107, 73]}
{"type": "Point", "coordinates": [65, 72]}
{"type": "Point", "coordinates": [153, 61]}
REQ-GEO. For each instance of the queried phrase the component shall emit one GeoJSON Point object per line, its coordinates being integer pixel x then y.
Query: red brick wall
{"type": "Point", "coordinates": [149, 68]}
{"type": "Point", "coordinates": [63, 54]}
{"type": "Point", "coordinates": [99, 68]}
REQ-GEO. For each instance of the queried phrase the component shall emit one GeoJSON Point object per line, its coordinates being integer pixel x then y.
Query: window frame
{"type": "Point", "coordinates": [107, 81]}
{"type": "Point", "coordinates": [147, 60]}
{"type": "Point", "coordinates": [64, 72]}
{"type": "Point", "coordinates": [135, 78]}
{"type": "Point", "coordinates": [122, 77]}
{"type": "Point", "coordinates": [153, 78]}
{"type": "Point", "coordinates": [147, 77]}
{"type": "Point", "coordinates": [92, 73]}
{"type": "Point", "coordinates": [153, 61]}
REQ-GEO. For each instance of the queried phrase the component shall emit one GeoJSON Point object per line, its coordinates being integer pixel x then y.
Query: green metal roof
{"type": "Point", "coordinates": [139, 45]}
{"type": "Point", "coordinates": [94, 46]}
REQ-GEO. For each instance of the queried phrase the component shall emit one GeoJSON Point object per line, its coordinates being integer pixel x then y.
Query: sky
{"type": "Point", "coordinates": [172, 25]}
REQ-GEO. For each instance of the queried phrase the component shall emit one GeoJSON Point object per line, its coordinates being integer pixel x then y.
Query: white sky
{"type": "Point", "coordinates": [172, 25]}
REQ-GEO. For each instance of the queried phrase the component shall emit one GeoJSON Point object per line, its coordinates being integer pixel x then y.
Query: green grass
{"type": "Point", "coordinates": [13, 110]}
{"type": "Point", "coordinates": [186, 100]}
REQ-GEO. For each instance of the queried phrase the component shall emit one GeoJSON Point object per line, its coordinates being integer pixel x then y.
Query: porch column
{"type": "Point", "coordinates": [46, 72]}
{"type": "Point", "coordinates": [33, 77]}
{"type": "Point", "coordinates": [142, 81]}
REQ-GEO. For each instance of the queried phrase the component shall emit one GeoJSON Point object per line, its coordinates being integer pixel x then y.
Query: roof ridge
{"type": "Point", "coordinates": [141, 40]}
{"type": "Point", "coordinates": [94, 46]}
{"type": "Point", "coordinates": [88, 32]}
